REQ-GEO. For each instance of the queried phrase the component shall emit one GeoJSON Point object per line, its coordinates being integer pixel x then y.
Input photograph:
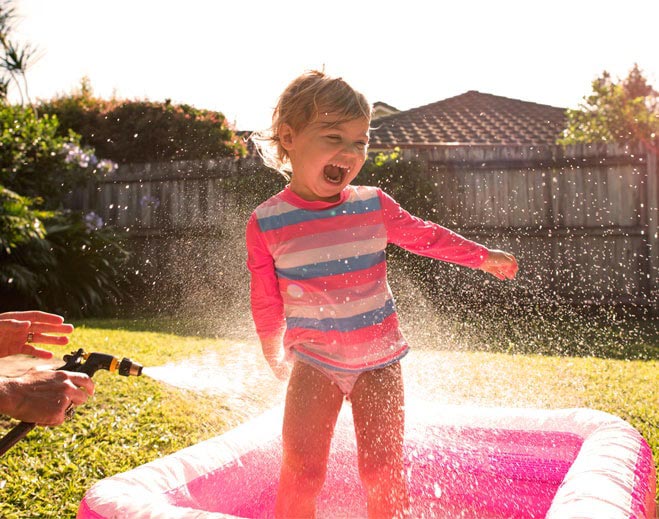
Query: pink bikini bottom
{"type": "Point", "coordinates": [344, 380]}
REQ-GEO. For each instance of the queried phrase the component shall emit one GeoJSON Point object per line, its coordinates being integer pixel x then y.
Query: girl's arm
{"type": "Point", "coordinates": [266, 302]}
{"type": "Point", "coordinates": [430, 239]}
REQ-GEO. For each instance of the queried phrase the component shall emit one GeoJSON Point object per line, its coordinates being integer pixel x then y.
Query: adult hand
{"type": "Point", "coordinates": [500, 264]}
{"type": "Point", "coordinates": [19, 330]}
{"type": "Point", "coordinates": [42, 396]}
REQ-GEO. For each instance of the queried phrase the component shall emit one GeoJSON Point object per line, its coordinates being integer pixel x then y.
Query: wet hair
{"type": "Point", "coordinates": [302, 102]}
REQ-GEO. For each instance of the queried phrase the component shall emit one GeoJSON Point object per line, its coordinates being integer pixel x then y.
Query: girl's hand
{"type": "Point", "coordinates": [281, 369]}
{"type": "Point", "coordinates": [500, 264]}
{"type": "Point", "coordinates": [275, 356]}
{"type": "Point", "coordinates": [279, 366]}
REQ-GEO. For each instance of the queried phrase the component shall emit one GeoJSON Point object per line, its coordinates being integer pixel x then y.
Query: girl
{"type": "Point", "coordinates": [320, 297]}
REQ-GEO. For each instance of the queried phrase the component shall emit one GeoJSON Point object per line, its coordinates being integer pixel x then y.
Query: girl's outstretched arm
{"type": "Point", "coordinates": [427, 238]}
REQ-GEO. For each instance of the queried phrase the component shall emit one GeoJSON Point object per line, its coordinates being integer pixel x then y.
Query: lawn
{"type": "Point", "coordinates": [131, 421]}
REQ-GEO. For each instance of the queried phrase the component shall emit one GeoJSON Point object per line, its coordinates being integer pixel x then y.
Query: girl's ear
{"type": "Point", "coordinates": [286, 136]}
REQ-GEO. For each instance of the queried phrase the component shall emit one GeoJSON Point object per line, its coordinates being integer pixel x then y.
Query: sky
{"type": "Point", "coordinates": [237, 56]}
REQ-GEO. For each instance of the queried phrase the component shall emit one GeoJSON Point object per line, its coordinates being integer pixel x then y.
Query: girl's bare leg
{"type": "Point", "coordinates": [313, 403]}
{"type": "Point", "coordinates": [379, 416]}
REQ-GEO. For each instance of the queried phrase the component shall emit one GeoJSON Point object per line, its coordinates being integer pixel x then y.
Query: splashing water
{"type": "Point", "coordinates": [443, 367]}
{"type": "Point", "coordinates": [237, 376]}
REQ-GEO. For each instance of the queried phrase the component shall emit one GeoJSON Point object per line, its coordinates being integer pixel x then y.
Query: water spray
{"type": "Point", "coordinates": [80, 362]}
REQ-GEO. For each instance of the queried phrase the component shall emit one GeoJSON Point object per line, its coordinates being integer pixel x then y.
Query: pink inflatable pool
{"type": "Point", "coordinates": [462, 462]}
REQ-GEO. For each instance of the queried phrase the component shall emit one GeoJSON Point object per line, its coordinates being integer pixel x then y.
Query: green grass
{"type": "Point", "coordinates": [131, 421]}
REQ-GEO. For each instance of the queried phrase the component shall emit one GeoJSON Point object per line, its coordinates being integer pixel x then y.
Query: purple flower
{"type": "Point", "coordinates": [93, 222]}
{"type": "Point", "coordinates": [75, 154]}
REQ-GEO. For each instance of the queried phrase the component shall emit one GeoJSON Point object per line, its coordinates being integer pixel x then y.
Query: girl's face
{"type": "Point", "coordinates": [325, 156]}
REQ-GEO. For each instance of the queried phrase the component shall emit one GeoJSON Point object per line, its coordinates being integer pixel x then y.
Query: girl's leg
{"type": "Point", "coordinates": [313, 403]}
{"type": "Point", "coordinates": [379, 416]}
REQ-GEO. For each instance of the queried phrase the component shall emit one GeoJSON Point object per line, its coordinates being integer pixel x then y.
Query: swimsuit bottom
{"type": "Point", "coordinates": [344, 380]}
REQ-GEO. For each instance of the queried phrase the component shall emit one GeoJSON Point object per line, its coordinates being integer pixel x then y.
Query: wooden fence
{"type": "Point", "coordinates": [582, 220]}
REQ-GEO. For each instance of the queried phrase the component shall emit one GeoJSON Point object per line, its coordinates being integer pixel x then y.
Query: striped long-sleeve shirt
{"type": "Point", "coordinates": [319, 277]}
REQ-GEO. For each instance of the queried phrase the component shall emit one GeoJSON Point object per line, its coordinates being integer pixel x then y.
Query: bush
{"type": "Point", "coordinates": [75, 269]}
{"type": "Point", "coordinates": [404, 180]}
{"type": "Point", "coordinates": [19, 223]}
{"type": "Point", "coordinates": [49, 258]}
{"type": "Point", "coordinates": [34, 159]}
{"type": "Point", "coordinates": [144, 131]}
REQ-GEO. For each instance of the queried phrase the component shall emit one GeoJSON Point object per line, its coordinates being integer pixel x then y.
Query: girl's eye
{"type": "Point", "coordinates": [334, 137]}
{"type": "Point", "coordinates": [361, 144]}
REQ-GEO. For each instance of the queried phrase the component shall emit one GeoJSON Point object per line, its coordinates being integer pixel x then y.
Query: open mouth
{"type": "Point", "coordinates": [335, 173]}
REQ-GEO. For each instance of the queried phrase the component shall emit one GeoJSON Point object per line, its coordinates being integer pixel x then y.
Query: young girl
{"type": "Point", "coordinates": [320, 297]}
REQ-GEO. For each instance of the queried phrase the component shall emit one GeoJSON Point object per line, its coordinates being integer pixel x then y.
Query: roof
{"type": "Point", "coordinates": [470, 118]}
{"type": "Point", "coordinates": [381, 109]}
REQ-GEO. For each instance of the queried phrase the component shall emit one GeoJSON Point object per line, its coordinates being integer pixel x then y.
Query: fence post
{"type": "Point", "coordinates": [652, 227]}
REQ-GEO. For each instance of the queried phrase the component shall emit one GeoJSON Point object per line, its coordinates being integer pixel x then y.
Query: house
{"type": "Point", "coordinates": [381, 109]}
{"type": "Point", "coordinates": [472, 118]}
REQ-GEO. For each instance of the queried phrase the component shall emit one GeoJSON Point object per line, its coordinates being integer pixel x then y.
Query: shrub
{"type": "Point", "coordinates": [144, 131]}
{"type": "Point", "coordinates": [35, 161]}
{"type": "Point", "coordinates": [18, 221]}
{"type": "Point", "coordinates": [50, 259]}
{"type": "Point", "coordinates": [75, 269]}
{"type": "Point", "coordinates": [404, 180]}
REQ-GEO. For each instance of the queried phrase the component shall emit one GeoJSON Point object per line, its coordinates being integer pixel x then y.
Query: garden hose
{"type": "Point", "coordinates": [80, 362]}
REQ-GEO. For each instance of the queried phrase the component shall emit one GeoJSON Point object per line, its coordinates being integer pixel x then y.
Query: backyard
{"type": "Point", "coordinates": [198, 383]}
{"type": "Point", "coordinates": [127, 216]}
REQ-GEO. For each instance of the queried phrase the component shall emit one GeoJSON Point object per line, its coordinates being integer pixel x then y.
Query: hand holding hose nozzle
{"type": "Point", "coordinates": [80, 362]}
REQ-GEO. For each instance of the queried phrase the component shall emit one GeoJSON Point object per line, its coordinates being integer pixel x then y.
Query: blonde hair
{"type": "Point", "coordinates": [301, 103]}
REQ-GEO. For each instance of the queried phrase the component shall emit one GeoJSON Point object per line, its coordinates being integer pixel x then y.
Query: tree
{"type": "Point", "coordinates": [14, 57]}
{"type": "Point", "coordinates": [143, 131]}
{"type": "Point", "coordinates": [625, 112]}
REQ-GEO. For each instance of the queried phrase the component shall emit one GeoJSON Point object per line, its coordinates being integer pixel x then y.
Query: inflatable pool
{"type": "Point", "coordinates": [462, 462]}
